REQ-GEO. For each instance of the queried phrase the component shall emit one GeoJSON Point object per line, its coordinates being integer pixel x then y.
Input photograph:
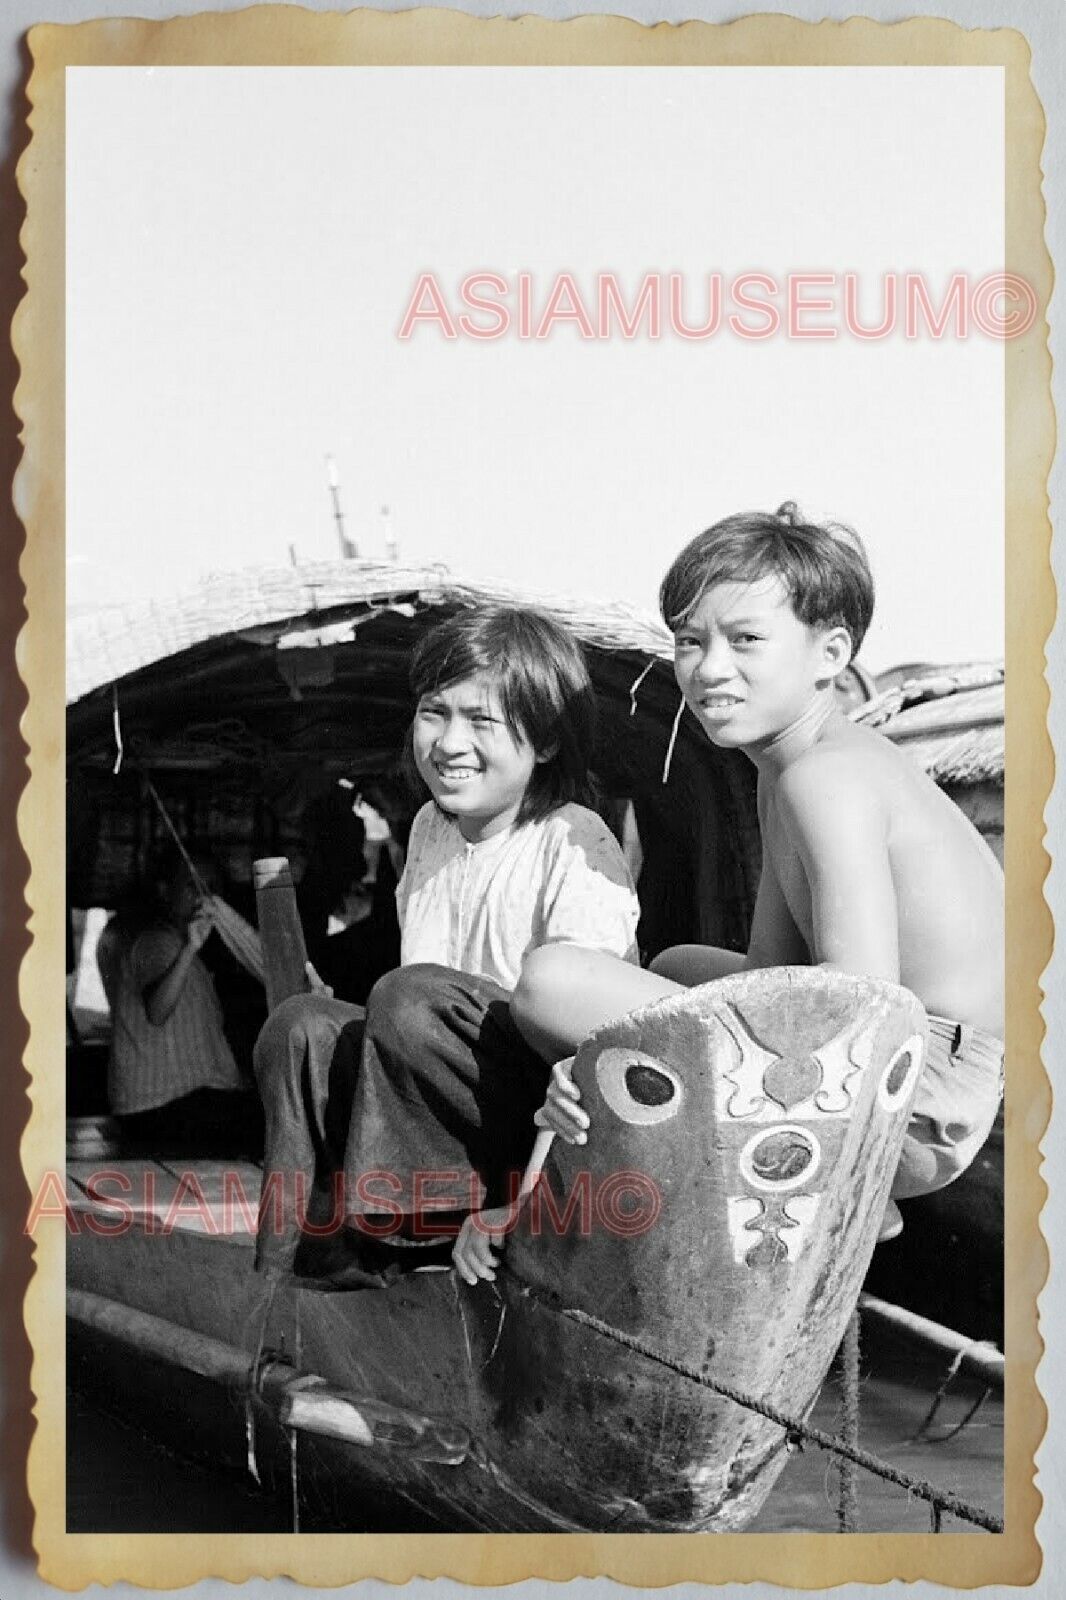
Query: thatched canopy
{"type": "Point", "coordinates": [313, 660]}
{"type": "Point", "coordinates": [245, 698]}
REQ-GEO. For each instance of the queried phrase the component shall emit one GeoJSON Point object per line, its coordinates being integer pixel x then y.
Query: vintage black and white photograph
{"type": "Point", "coordinates": [535, 954]}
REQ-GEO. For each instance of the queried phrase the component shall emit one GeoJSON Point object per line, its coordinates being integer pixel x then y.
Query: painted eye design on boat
{"type": "Point", "coordinates": [637, 1087]}
{"type": "Point", "coordinates": [897, 1080]}
{"type": "Point", "coordinates": [781, 1158]}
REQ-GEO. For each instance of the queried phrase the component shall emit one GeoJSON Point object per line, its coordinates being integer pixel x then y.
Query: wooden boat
{"type": "Point", "coordinates": [721, 1218]}
{"type": "Point", "coordinates": [500, 1407]}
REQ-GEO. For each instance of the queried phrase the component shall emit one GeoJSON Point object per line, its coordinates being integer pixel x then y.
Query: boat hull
{"type": "Point", "coordinates": [708, 1244]}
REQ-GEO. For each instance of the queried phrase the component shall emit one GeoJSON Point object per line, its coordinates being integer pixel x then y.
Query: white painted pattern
{"type": "Point", "coordinates": [744, 1211]}
{"type": "Point", "coordinates": [891, 1099]}
{"type": "Point", "coordinates": [611, 1067]}
{"type": "Point", "coordinates": [745, 1160]}
{"type": "Point", "coordinates": [739, 1092]}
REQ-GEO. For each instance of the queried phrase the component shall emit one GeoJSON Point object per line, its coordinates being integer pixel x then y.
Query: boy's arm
{"type": "Point", "coordinates": [774, 941]}
{"type": "Point", "coordinates": [833, 818]}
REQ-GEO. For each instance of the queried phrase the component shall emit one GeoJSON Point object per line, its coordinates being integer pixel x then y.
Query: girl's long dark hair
{"type": "Point", "coordinates": [538, 672]}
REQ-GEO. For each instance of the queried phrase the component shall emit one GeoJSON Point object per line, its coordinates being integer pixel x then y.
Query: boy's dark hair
{"type": "Point", "coordinates": [824, 568]}
{"type": "Point", "coordinates": [538, 671]}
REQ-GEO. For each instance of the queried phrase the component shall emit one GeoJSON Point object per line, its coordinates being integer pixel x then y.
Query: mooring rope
{"type": "Point", "coordinates": [923, 1435]}
{"type": "Point", "coordinates": [294, 1432]}
{"type": "Point", "coordinates": [940, 1500]}
{"type": "Point", "coordinates": [254, 1374]}
{"type": "Point", "coordinates": [848, 1506]}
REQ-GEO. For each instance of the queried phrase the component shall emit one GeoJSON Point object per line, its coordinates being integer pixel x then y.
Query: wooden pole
{"type": "Point", "coordinates": [155, 1336]}
{"type": "Point", "coordinates": [280, 929]}
{"type": "Point", "coordinates": [977, 1356]}
{"type": "Point", "coordinates": [348, 548]}
{"type": "Point", "coordinates": [300, 1400]}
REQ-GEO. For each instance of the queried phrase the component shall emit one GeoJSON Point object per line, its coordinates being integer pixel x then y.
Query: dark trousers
{"type": "Point", "coordinates": [444, 1103]}
{"type": "Point", "coordinates": [306, 1063]}
{"type": "Point", "coordinates": [425, 1107]}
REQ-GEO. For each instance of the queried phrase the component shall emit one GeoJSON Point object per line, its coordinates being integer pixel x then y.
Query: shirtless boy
{"type": "Point", "coordinates": [867, 865]}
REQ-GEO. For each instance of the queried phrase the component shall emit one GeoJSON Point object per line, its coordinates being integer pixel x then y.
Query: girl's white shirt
{"type": "Point", "coordinates": [481, 908]}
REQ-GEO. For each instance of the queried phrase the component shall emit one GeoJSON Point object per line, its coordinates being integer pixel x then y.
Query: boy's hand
{"type": "Point", "coordinates": [315, 984]}
{"type": "Point", "coordinates": [561, 1111]}
{"type": "Point", "coordinates": [482, 1233]}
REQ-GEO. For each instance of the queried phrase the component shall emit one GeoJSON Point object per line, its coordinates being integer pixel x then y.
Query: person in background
{"type": "Point", "coordinates": [173, 1082]}
{"type": "Point", "coordinates": [350, 925]}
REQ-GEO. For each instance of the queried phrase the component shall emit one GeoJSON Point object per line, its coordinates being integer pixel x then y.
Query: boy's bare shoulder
{"type": "Point", "coordinates": [850, 763]}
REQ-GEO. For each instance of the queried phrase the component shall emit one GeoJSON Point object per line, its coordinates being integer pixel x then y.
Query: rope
{"type": "Point", "coordinates": [116, 724]}
{"type": "Point", "coordinates": [940, 1499]}
{"type": "Point", "coordinates": [673, 740]}
{"type": "Point", "coordinates": [635, 685]}
{"type": "Point", "coordinates": [294, 1470]}
{"type": "Point", "coordinates": [922, 1434]}
{"type": "Point", "coordinates": [174, 834]}
{"type": "Point", "coordinates": [254, 1373]}
{"type": "Point", "coordinates": [294, 1479]}
{"type": "Point", "coordinates": [848, 1506]}
{"type": "Point", "coordinates": [239, 937]}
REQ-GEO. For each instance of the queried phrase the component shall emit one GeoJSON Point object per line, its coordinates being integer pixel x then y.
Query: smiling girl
{"type": "Point", "coordinates": [504, 858]}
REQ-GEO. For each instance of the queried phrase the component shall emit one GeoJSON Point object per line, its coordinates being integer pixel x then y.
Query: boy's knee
{"type": "Point", "coordinates": [919, 1171]}
{"type": "Point", "coordinates": [923, 1170]}
{"type": "Point", "coordinates": [671, 963]}
{"type": "Point", "coordinates": [934, 1156]}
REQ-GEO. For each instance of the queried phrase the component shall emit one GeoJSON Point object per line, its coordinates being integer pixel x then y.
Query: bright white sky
{"type": "Point", "coordinates": [242, 243]}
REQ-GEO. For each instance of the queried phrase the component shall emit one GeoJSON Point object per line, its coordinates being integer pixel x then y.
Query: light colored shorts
{"type": "Point", "coordinates": [954, 1107]}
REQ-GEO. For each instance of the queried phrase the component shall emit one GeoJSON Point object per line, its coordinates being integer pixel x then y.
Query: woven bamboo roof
{"type": "Point", "coordinates": [274, 605]}
{"type": "Point", "coordinates": [239, 632]}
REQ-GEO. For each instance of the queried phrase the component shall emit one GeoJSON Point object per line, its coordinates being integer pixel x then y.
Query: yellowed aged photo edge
{"type": "Point", "coordinates": [280, 36]}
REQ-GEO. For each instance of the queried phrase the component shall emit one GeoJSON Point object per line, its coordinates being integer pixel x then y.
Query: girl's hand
{"type": "Point", "coordinates": [315, 984]}
{"type": "Point", "coordinates": [482, 1233]}
{"type": "Point", "coordinates": [561, 1111]}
